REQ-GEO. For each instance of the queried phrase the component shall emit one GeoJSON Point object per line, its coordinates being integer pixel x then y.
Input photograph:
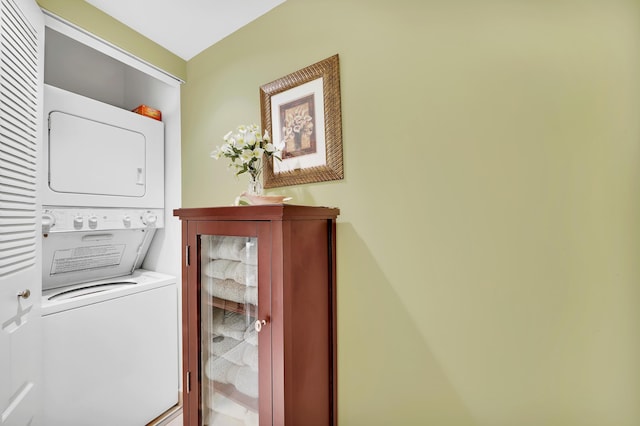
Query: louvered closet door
{"type": "Point", "coordinates": [21, 59]}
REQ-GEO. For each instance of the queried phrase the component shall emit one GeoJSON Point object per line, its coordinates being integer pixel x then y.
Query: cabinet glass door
{"type": "Point", "coordinates": [230, 326]}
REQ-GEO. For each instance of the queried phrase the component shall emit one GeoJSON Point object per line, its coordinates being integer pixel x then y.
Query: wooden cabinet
{"type": "Point", "coordinates": [259, 315]}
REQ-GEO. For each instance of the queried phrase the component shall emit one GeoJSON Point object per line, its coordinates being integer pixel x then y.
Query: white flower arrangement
{"type": "Point", "coordinates": [245, 147]}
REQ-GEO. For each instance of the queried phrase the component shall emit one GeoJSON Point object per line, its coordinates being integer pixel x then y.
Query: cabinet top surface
{"type": "Point", "coordinates": [261, 212]}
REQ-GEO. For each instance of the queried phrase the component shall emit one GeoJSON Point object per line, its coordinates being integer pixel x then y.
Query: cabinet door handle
{"type": "Point", "coordinates": [25, 294]}
{"type": "Point", "coordinates": [258, 325]}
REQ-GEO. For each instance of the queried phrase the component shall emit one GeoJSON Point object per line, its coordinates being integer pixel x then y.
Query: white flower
{"type": "Point", "coordinates": [216, 153]}
{"type": "Point", "coordinates": [246, 155]}
{"type": "Point", "coordinates": [247, 145]}
{"type": "Point", "coordinates": [227, 149]}
{"type": "Point", "coordinates": [250, 138]}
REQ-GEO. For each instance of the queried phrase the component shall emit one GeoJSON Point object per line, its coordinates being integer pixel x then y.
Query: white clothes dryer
{"type": "Point", "coordinates": [98, 155]}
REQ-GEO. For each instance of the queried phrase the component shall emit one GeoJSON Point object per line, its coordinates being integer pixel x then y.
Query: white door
{"type": "Point", "coordinates": [21, 73]}
{"type": "Point", "coordinates": [107, 160]}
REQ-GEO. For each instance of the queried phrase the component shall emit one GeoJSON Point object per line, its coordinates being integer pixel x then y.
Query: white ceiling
{"type": "Point", "coordinates": [185, 27]}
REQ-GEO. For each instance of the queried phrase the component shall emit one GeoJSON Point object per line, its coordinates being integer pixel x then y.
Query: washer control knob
{"type": "Point", "coordinates": [126, 220]}
{"type": "Point", "coordinates": [78, 222]}
{"type": "Point", "coordinates": [149, 218]}
{"type": "Point", "coordinates": [93, 222]}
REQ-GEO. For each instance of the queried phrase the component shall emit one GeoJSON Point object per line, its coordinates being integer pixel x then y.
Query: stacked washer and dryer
{"type": "Point", "coordinates": [110, 327]}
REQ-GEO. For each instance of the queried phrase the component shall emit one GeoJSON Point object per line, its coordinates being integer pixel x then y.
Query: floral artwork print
{"type": "Point", "coordinates": [298, 127]}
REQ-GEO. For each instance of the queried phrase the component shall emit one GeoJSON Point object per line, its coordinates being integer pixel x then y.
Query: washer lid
{"type": "Point", "coordinates": [89, 288]}
{"type": "Point", "coordinates": [144, 281]}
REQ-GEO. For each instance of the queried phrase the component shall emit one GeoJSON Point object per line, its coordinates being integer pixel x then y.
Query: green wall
{"type": "Point", "coordinates": [88, 17]}
{"type": "Point", "coordinates": [489, 236]}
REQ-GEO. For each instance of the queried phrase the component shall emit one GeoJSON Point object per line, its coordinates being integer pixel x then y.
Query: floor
{"type": "Point", "coordinates": [175, 422]}
{"type": "Point", "coordinates": [172, 417]}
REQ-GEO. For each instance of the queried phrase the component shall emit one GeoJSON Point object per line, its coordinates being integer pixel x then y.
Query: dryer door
{"type": "Point", "coordinates": [90, 157]}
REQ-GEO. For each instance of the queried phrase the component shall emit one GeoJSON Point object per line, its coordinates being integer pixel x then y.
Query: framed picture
{"type": "Point", "coordinates": [302, 112]}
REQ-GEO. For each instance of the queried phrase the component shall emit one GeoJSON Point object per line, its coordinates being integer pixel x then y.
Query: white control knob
{"type": "Point", "coordinates": [48, 220]}
{"type": "Point", "coordinates": [93, 222]}
{"type": "Point", "coordinates": [149, 218]}
{"type": "Point", "coordinates": [126, 221]}
{"type": "Point", "coordinates": [78, 221]}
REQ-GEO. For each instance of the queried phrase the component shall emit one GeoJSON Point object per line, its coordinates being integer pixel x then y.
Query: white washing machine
{"type": "Point", "coordinates": [110, 329]}
{"type": "Point", "coordinates": [110, 352]}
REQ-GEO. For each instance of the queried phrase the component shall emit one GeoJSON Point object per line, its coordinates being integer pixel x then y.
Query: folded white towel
{"type": "Point", "coordinates": [249, 253]}
{"type": "Point", "coordinates": [251, 296]}
{"type": "Point", "coordinates": [249, 355]}
{"type": "Point", "coordinates": [251, 419]}
{"type": "Point", "coordinates": [219, 345]}
{"type": "Point", "coordinates": [228, 324]}
{"type": "Point", "coordinates": [219, 419]}
{"type": "Point", "coordinates": [224, 269]}
{"type": "Point", "coordinates": [217, 369]}
{"type": "Point", "coordinates": [231, 290]}
{"type": "Point", "coordinates": [224, 247]}
{"type": "Point", "coordinates": [246, 274]}
{"type": "Point", "coordinates": [250, 335]}
{"type": "Point", "coordinates": [221, 268]}
{"type": "Point", "coordinates": [223, 405]}
{"type": "Point", "coordinates": [244, 379]}
{"type": "Point", "coordinates": [240, 353]}
{"type": "Point", "coordinates": [225, 289]}
{"type": "Point", "coordinates": [236, 354]}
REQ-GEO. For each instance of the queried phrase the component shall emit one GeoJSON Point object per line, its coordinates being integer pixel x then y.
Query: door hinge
{"type": "Point", "coordinates": [188, 384]}
{"type": "Point", "coordinates": [186, 256]}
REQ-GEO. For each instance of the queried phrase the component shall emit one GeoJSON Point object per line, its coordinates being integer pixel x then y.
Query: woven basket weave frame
{"type": "Point", "coordinates": [328, 69]}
